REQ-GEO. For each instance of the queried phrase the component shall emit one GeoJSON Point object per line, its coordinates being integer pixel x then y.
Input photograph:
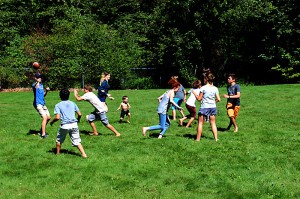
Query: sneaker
{"type": "Point", "coordinates": [160, 136]}
{"type": "Point", "coordinates": [44, 136]}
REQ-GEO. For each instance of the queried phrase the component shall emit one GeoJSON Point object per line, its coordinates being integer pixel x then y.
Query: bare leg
{"type": "Point", "coordinates": [110, 127]}
{"type": "Point", "coordinates": [181, 112]}
{"type": "Point", "coordinates": [174, 114]}
{"type": "Point", "coordinates": [128, 118]}
{"type": "Point", "coordinates": [232, 121]}
{"type": "Point", "coordinates": [80, 147]}
{"type": "Point", "coordinates": [180, 121]}
{"type": "Point", "coordinates": [190, 122]}
{"type": "Point", "coordinates": [200, 127]}
{"type": "Point", "coordinates": [58, 147]}
{"type": "Point", "coordinates": [45, 121]}
{"type": "Point", "coordinates": [214, 126]}
{"type": "Point", "coordinates": [144, 130]}
{"type": "Point", "coordinates": [94, 128]}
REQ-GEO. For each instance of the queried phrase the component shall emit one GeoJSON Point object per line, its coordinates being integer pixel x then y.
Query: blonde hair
{"type": "Point", "coordinates": [103, 75]}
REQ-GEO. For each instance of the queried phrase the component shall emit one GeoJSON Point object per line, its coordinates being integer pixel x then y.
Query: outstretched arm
{"type": "Point", "coordinates": [172, 100]}
{"type": "Point", "coordinates": [78, 98]}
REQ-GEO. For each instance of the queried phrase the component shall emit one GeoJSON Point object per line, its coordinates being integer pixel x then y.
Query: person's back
{"type": "Point", "coordinates": [209, 96]}
{"type": "Point", "coordinates": [67, 110]}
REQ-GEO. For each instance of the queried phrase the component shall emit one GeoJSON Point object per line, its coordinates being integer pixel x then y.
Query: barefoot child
{"type": "Point", "coordinates": [65, 111]}
{"type": "Point", "coordinates": [209, 95]}
{"type": "Point", "coordinates": [191, 104]}
{"type": "Point", "coordinates": [233, 101]}
{"type": "Point", "coordinates": [165, 101]}
{"type": "Point", "coordinates": [100, 110]}
{"type": "Point", "coordinates": [125, 106]}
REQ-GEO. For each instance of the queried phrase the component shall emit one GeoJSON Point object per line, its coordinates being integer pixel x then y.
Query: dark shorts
{"type": "Point", "coordinates": [124, 113]}
{"type": "Point", "coordinates": [192, 111]}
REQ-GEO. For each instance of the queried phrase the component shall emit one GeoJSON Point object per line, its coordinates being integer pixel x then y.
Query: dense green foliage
{"type": "Point", "coordinates": [261, 161]}
{"type": "Point", "coordinates": [257, 39]}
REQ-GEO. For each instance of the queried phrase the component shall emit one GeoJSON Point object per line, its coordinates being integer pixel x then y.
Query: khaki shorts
{"type": "Point", "coordinates": [232, 111]}
{"type": "Point", "coordinates": [43, 110]}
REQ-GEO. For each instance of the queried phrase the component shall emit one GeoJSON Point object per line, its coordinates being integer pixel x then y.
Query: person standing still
{"type": "Point", "coordinates": [209, 95]}
{"type": "Point", "coordinates": [233, 101]}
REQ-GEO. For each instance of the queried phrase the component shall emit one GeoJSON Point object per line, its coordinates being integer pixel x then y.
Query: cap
{"type": "Point", "coordinates": [38, 75]}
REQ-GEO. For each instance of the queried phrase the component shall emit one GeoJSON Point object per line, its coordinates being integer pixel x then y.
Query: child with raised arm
{"type": "Point", "coordinates": [65, 111]}
{"type": "Point", "coordinates": [124, 106]}
{"type": "Point", "coordinates": [233, 101]}
{"type": "Point", "coordinates": [209, 95]}
{"type": "Point", "coordinates": [100, 110]}
{"type": "Point", "coordinates": [39, 103]}
{"type": "Point", "coordinates": [191, 104]}
{"type": "Point", "coordinates": [165, 101]}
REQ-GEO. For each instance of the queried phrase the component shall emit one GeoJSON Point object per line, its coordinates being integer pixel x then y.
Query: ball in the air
{"type": "Point", "coordinates": [36, 65]}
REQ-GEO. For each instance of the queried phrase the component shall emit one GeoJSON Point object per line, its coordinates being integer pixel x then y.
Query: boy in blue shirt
{"type": "Point", "coordinates": [39, 102]}
{"type": "Point", "coordinates": [65, 111]}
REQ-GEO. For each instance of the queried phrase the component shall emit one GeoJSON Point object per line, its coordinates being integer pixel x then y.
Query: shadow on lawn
{"type": "Point", "coordinates": [33, 132]}
{"type": "Point", "coordinates": [64, 151]}
{"type": "Point", "coordinates": [222, 129]}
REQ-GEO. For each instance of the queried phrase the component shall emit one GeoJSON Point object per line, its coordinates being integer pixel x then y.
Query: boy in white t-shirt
{"type": "Point", "coordinates": [100, 110]}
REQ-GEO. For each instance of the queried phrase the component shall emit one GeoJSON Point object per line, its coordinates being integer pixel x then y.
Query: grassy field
{"type": "Point", "coordinates": [262, 160]}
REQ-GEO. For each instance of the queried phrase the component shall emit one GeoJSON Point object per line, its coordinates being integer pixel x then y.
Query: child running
{"type": "Point", "coordinates": [65, 111]}
{"type": "Point", "coordinates": [125, 106]}
{"type": "Point", "coordinates": [191, 104]}
{"type": "Point", "coordinates": [164, 103]}
{"type": "Point", "coordinates": [100, 110]}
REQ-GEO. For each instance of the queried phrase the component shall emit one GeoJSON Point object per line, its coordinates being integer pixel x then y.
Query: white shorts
{"type": "Point", "coordinates": [74, 136]}
{"type": "Point", "coordinates": [43, 110]}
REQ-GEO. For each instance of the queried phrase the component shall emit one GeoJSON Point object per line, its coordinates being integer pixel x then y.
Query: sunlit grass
{"type": "Point", "coordinates": [261, 161]}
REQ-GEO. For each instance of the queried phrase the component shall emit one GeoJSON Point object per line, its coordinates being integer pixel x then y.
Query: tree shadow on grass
{"type": "Point", "coordinates": [64, 151]}
{"type": "Point", "coordinates": [33, 132]}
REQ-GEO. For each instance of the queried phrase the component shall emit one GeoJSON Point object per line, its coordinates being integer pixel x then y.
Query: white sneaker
{"type": "Point", "coordinates": [87, 118]}
{"type": "Point", "coordinates": [160, 136]}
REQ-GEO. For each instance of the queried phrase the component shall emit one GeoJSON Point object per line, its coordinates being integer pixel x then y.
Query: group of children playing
{"type": "Point", "coordinates": [208, 94]}
{"type": "Point", "coordinates": [66, 109]}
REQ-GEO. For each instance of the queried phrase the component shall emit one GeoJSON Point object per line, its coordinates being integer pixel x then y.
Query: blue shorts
{"type": "Point", "coordinates": [178, 101]}
{"type": "Point", "coordinates": [98, 116]}
{"type": "Point", "coordinates": [207, 112]}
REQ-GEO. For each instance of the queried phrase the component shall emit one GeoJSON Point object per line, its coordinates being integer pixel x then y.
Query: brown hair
{"type": "Point", "coordinates": [88, 87]}
{"type": "Point", "coordinates": [196, 84]}
{"type": "Point", "coordinates": [233, 76]}
{"type": "Point", "coordinates": [209, 77]}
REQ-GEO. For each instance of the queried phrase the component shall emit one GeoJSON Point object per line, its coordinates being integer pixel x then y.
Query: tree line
{"type": "Point", "coordinates": [142, 43]}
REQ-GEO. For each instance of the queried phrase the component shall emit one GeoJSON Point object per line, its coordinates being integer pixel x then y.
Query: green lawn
{"type": "Point", "coordinates": [262, 160]}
